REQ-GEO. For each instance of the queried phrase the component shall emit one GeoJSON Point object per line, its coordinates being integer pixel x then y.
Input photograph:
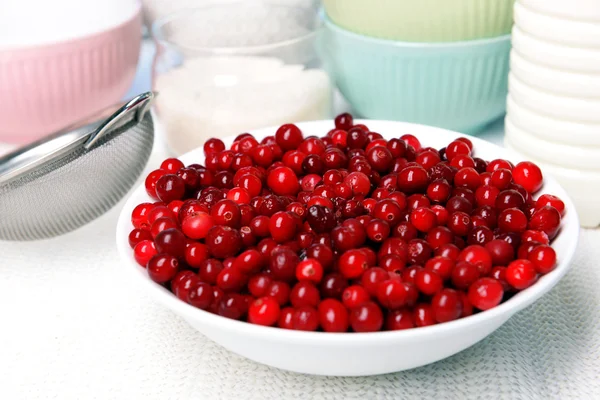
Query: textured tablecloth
{"type": "Point", "coordinates": [74, 326]}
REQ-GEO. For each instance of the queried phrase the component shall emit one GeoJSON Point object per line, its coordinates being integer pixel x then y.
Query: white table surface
{"type": "Point", "coordinates": [75, 327]}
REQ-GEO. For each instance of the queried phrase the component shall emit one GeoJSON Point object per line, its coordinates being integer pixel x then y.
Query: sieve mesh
{"type": "Point", "coordinates": [73, 190]}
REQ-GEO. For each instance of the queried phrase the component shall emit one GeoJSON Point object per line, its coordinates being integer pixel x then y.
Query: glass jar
{"type": "Point", "coordinates": [226, 68]}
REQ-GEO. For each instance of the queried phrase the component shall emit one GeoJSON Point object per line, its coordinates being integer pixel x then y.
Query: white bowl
{"type": "Point", "coordinates": [586, 10]}
{"type": "Point", "coordinates": [557, 29]}
{"type": "Point", "coordinates": [355, 354]}
{"type": "Point", "coordinates": [555, 55]}
{"type": "Point", "coordinates": [552, 129]}
{"type": "Point", "coordinates": [562, 107]}
{"type": "Point", "coordinates": [578, 157]}
{"type": "Point", "coordinates": [554, 80]}
{"type": "Point", "coordinates": [582, 186]}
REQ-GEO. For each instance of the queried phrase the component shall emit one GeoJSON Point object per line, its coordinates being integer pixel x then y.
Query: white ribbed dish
{"type": "Point", "coordinates": [555, 54]}
{"type": "Point", "coordinates": [562, 107]}
{"type": "Point", "coordinates": [586, 10]}
{"type": "Point", "coordinates": [552, 129]}
{"type": "Point", "coordinates": [579, 157]}
{"type": "Point", "coordinates": [556, 29]}
{"type": "Point", "coordinates": [554, 80]}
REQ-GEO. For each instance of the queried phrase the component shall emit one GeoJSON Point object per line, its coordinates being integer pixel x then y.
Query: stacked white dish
{"type": "Point", "coordinates": [553, 108]}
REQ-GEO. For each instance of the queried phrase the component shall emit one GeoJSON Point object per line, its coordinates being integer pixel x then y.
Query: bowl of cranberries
{"type": "Point", "coordinates": [347, 247]}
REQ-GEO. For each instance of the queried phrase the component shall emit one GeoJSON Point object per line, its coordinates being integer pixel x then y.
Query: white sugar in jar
{"type": "Point", "coordinates": [224, 69]}
{"type": "Point", "coordinates": [216, 97]}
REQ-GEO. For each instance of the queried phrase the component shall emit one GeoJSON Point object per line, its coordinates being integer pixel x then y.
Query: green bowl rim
{"type": "Point", "coordinates": [429, 45]}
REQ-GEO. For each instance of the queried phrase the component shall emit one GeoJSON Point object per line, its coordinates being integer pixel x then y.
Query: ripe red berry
{"type": "Point", "coordinates": [528, 175]}
{"type": "Point", "coordinates": [521, 274]}
{"type": "Point", "coordinates": [485, 293]}
{"type": "Point", "coordinates": [264, 311]}
{"type": "Point", "coordinates": [310, 270]}
{"type": "Point", "coordinates": [333, 316]}
{"type": "Point", "coordinates": [366, 318]}
{"type": "Point", "coordinates": [353, 263]}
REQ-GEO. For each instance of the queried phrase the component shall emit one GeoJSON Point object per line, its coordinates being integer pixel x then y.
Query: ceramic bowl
{"type": "Point", "coordinates": [354, 354]}
{"type": "Point", "coordinates": [460, 86]}
{"type": "Point", "coordinates": [561, 107]}
{"type": "Point", "coordinates": [584, 10]}
{"type": "Point", "coordinates": [558, 81]}
{"type": "Point", "coordinates": [552, 129]}
{"type": "Point", "coordinates": [414, 21]}
{"type": "Point", "coordinates": [556, 55]}
{"type": "Point", "coordinates": [49, 85]}
{"type": "Point", "coordinates": [556, 29]}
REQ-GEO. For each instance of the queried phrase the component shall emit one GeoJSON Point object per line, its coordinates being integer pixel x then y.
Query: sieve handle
{"type": "Point", "coordinates": [135, 108]}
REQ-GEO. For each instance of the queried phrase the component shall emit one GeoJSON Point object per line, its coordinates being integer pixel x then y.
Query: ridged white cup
{"type": "Point", "coordinates": [562, 107]}
{"type": "Point", "coordinates": [555, 55]}
{"type": "Point", "coordinates": [552, 129]}
{"type": "Point", "coordinates": [556, 29]}
{"type": "Point", "coordinates": [554, 80]}
{"type": "Point", "coordinates": [585, 10]}
{"type": "Point", "coordinates": [578, 157]}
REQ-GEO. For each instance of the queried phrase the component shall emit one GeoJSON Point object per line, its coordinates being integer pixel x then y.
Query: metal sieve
{"type": "Point", "coordinates": [64, 181]}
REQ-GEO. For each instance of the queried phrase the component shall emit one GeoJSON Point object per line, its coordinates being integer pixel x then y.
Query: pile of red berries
{"type": "Point", "coordinates": [345, 232]}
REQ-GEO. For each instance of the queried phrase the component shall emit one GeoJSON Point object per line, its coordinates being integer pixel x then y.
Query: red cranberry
{"type": "Point", "coordinates": [201, 295]}
{"type": "Point", "coordinates": [305, 319]}
{"type": "Point", "coordinates": [232, 305]}
{"type": "Point", "coordinates": [413, 179]}
{"type": "Point", "coordinates": [333, 316]}
{"type": "Point", "coordinates": [209, 270]}
{"type": "Point", "coordinates": [464, 274]}
{"type": "Point", "coordinates": [283, 181]}
{"type": "Point", "coordinates": [549, 200]}
{"type": "Point", "coordinates": [137, 235]}
{"type": "Point", "coordinates": [509, 199]}
{"type": "Point", "coordinates": [353, 263]}
{"type": "Point", "coordinates": [441, 265]}
{"type": "Point", "coordinates": [543, 258]}
{"type": "Point", "coordinates": [366, 318]}
{"type": "Point", "coordinates": [231, 280]}
{"type": "Point", "coordinates": [521, 274]}
{"type": "Point", "coordinates": [512, 220]}
{"type": "Point", "coordinates": [333, 285]}
{"type": "Point", "coordinates": [500, 251]}
{"type": "Point", "coordinates": [423, 315]}
{"type": "Point", "coordinates": [528, 175]}
{"type": "Point", "coordinates": [283, 264]}
{"type": "Point", "coordinates": [288, 137]}
{"type": "Point", "coordinates": [170, 187]}
{"type": "Point", "coordinates": [280, 291]}
{"type": "Point", "coordinates": [485, 293]}
{"type": "Point", "coordinates": [547, 220]}
{"type": "Point", "coordinates": [321, 219]}
{"type": "Point", "coordinates": [264, 311]}
{"type": "Point", "coordinates": [181, 284]}
{"type": "Point", "coordinates": [162, 267]}
{"type": "Point", "coordinates": [223, 241]}
{"type": "Point", "coordinates": [419, 251]}
{"type": "Point", "coordinates": [446, 305]}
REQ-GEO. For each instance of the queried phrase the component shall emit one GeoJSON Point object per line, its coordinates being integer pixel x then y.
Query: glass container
{"type": "Point", "coordinates": [226, 68]}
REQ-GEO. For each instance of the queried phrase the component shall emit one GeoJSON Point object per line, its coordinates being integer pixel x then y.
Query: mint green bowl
{"type": "Point", "coordinates": [460, 86]}
{"type": "Point", "coordinates": [423, 20]}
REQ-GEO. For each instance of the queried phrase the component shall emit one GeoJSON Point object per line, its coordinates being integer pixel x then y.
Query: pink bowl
{"type": "Point", "coordinates": [45, 88]}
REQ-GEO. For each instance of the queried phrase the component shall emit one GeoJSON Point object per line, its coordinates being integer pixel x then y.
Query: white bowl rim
{"type": "Point", "coordinates": [570, 227]}
{"type": "Point", "coordinates": [417, 45]}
